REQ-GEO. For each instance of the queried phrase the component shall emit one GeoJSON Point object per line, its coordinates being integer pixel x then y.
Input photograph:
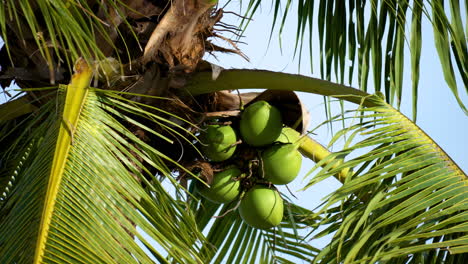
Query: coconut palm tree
{"type": "Point", "coordinates": [100, 159]}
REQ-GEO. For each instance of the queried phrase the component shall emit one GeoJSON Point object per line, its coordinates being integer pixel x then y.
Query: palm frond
{"type": "Point", "coordinates": [16, 122]}
{"type": "Point", "coordinates": [15, 108]}
{"type": "Point", "coordinates": [12, 163]}
{"type": "Point", "coordinates": [62, 31]}
{"type": "Point", "coordinates": [406, 199]}
{"type": "Point", "coordinates": [373, 35]}
{"type": "Point", "coordinates": [99, 208]}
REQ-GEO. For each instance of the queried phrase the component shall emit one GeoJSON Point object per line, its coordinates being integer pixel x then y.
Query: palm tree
{"type": "Point", "coordinates": [100, 159]}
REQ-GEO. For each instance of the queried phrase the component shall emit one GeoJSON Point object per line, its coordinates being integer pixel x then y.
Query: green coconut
{"type": "Point", "coordinates": [224, 188]}
{"type": "Point", "coordinates": [261, 207]}
{"type": "Point", "coordinates": [281, 163]}
{"type": "Point", "coordinates": [218, 142]}
{"type": "Point", "coordinates": [260, 124]}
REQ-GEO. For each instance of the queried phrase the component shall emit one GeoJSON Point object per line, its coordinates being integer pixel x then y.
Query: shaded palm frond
{"type": "Point", "coordinates": [372, 36]}
{"type": "Point", "coordinates": [63, 30]}
{"type": "Point", "coordinates": [406, 199]}
{"type": "Point", "coordinates": [18, 118]}
{"type": "Point", "coordinates": [231, 240]}
{"type": "Point", "coordinates": [99, 208]}
{"type": "Point", "coordinates": [17, 150]}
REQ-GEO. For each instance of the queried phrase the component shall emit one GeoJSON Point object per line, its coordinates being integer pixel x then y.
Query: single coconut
{"type": "Point", "coordinates": [280, 164]}
{"type": "Point", "coordinates": [260, 124]}
{"type": "Point", "coordinates": [224, 188]}
{"type": "Point", "coordinates": [218, 142]}
{"type": "Point", "coordinates": [261, 207]}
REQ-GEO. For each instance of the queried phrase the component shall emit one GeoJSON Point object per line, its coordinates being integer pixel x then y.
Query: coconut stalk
{"type": "Point", "coordinates": [316, 152]}
{"type": "Point", "coordinates": [206, 82]}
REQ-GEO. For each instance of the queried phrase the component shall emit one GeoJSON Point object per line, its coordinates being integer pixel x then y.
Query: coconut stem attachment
{"type": "Point", "coordinates": [316, 152]}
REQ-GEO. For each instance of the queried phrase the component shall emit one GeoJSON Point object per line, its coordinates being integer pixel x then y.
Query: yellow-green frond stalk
{"type": "Point", "coordinates": [75, 98]}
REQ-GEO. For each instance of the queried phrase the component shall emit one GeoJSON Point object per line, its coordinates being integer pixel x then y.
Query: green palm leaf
{"type": "Point", "coordinates": [405, 199]}
{"type": "Point", "coordinates": [92, 213]}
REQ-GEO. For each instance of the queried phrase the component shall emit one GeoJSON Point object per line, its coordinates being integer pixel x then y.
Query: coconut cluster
{"type": "Point", "coordinates": [267, 155]}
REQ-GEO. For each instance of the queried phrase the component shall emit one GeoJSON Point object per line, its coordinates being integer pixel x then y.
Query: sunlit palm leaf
{"type": "Point", "coordinates": [406, 200]}
{"type": "Point", "coordinates": [99, 200]}
{"type": "Point", "coordinates": [373, 35]}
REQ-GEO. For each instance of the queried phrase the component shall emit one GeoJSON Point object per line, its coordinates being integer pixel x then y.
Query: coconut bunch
{"type": "Point", "coordinates": [252, 152]}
